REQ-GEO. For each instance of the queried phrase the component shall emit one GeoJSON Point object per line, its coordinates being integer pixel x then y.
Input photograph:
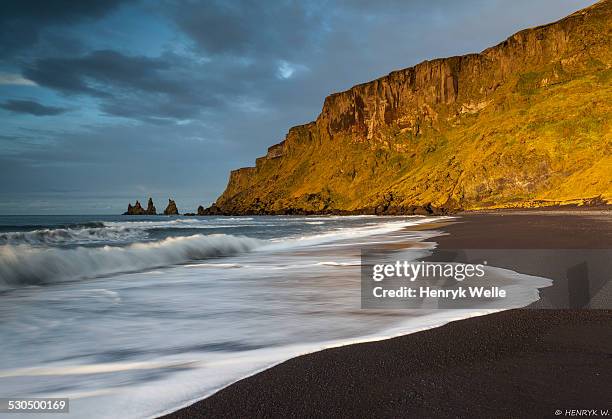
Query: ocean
{"type": "Point", "coordinates": [137, 316]}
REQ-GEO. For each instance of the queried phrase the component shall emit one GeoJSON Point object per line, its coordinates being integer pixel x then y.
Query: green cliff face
{"type": "Point", "coordinates": [524, 123]}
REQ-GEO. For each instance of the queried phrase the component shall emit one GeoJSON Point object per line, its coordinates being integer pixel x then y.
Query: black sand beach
{"type": "Point", "coordinates": [518, 363]}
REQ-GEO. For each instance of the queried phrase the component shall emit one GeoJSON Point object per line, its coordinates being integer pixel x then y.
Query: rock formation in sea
{"type": "Point", "coordinates": [137, 209]}
{"type": "Point", "coordinates": [151, 210]}
{"type": "Point", "coordinates": [200, 211]}
{"type": "Point", "coordinates": [171, 209]}
{"type": "Point", "coordinates": [524, 123]}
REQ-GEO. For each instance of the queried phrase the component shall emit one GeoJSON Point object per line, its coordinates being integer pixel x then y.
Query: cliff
{"type": "Point", "coordinates": [523, 123]}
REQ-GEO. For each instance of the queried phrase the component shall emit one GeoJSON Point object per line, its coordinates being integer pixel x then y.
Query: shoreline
{"type": "Point", "coordinates": [278, 390]}
{"type": "Point", "coordinates": [427, 210]}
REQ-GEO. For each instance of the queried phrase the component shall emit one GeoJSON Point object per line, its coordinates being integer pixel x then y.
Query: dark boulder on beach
{"type": "Point", "coordinates": [171, 209]}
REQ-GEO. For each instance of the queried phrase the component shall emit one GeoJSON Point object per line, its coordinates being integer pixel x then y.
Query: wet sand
{"type": "Point", "coordinates": [517, 363]}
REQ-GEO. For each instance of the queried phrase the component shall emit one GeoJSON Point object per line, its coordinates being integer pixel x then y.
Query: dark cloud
{"type": "Point", "coordinates": [56, 11]}
{"type": "Point", "coordinates": [131, 86]}
{"type": "Point", "coordinates": [21, 21]}
{"type": "Point", "coordinates": [244, 27]}
{"type": "Point", "coordinates": [95, 72]}
{"type": "Point", "coordinates": [32, 108]}
{"type": "Point", "coordinates": [170, 86]}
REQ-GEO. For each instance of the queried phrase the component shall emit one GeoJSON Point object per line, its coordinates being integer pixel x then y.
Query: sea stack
{"type": "Point", "coordinates": [171, 208]}
{"type": "Point", "coordinates": [151, 210]}
{"type": "Point", "coordinates": [137, 209]}
{"type": "Point", "coordinates": [201, 210]}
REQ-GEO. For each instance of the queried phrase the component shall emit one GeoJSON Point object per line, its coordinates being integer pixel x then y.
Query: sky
{"type": "Point", "coordinates": [103, 102]}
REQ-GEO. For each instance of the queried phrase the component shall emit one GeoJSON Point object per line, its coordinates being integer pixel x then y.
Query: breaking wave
{"type": "Point", "coordinates": [101, 232]}
{"type": "Point", "coordinates": [71, 235]}
{"type": "Point", "coordinates": [24, 264]}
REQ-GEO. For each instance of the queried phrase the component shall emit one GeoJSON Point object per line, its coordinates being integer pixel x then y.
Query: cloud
{"type": "Point", "coordinates": [15, 79]}
{"type": "Point", "coordinates": [22, 21]}
{"type": "Point", "coordinates": [245, 27]}
{"type": "Point", "coordinates": [32, 108]}
{"type": "Point", "coordinates": [168, 87]}
{"type": "Point", "coordinates": [94, 72]}
{"type": "Point", "coordinates": [131, 86]}
{"type": "Point", "coordinates": [286, 70]}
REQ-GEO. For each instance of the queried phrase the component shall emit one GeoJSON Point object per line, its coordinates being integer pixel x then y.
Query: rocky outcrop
{"type": "Point", "coordinates": [151, 208]}
{"type": "Point", "coordinates": [523, 122]}
{"type": "Point", "coordinates": [200, 211]}
{"type": "Point", "coordinates": [137, 209]}
{"type": "Point", "coordinates": [171, 209]}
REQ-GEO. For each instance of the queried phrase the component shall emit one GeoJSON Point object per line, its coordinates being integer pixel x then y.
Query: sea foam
{"type": "Point", "coordinates": [29, 265]}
